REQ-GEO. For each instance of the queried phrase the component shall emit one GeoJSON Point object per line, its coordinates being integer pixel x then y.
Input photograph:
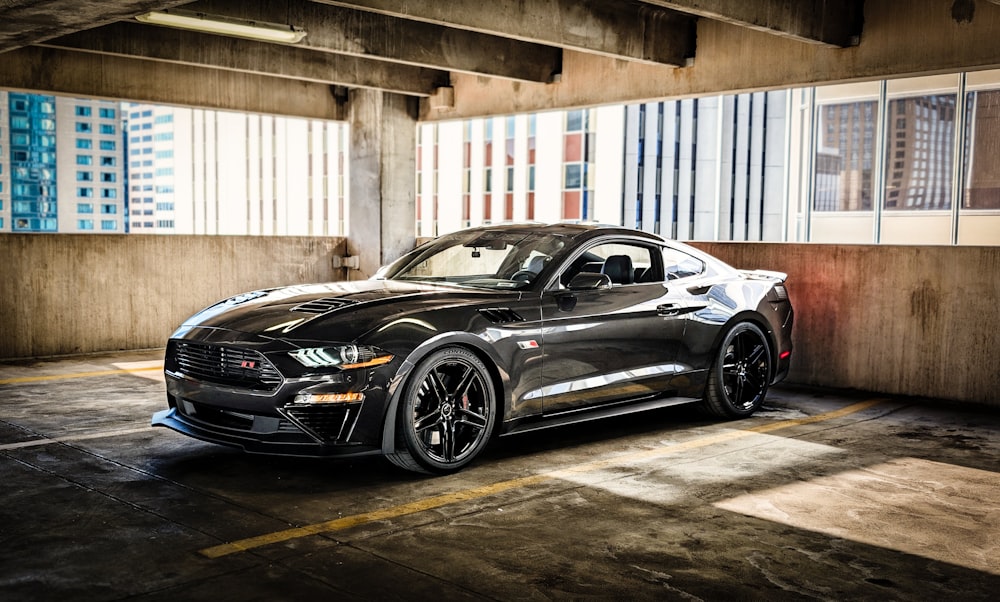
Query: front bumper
{"type": "Point", "coordinates": [273, 421]}
{"type": "Point", "coordinates": [253, 433]}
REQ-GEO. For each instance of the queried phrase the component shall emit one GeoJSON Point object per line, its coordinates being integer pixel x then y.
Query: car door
{"type": "Point", "coordinates": [612, 341]}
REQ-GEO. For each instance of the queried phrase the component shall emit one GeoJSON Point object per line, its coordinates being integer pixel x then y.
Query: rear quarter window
{"type": "Point", "coordinates": [678, 264]}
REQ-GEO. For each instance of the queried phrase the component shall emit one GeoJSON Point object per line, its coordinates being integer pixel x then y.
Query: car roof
{"type": "Point", "coordinates": [571, 229]}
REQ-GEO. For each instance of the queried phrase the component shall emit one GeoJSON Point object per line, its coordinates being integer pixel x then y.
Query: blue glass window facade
{"type": "Point", "coordinates": [33, 163]}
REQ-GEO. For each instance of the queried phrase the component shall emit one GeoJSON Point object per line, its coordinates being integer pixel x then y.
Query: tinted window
{"type": "Point", "coordinates": [624, 263]}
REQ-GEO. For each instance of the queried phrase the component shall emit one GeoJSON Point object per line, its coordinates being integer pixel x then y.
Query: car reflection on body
{"type": "Point", "coordinates": [484, 332]}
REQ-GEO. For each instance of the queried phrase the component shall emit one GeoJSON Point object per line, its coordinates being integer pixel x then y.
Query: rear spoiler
{"type": "Point", "coordinates": [765, 275]}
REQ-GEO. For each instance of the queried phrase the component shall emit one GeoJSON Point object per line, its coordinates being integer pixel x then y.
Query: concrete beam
{"type": "Point", "coordinates": [235, 54]}
{"type": "Point", "coordinates": [383, 160]}
{"type": "Point", "coordinates": [364, 34]}
{"type": "Point", "coordinates": [735, 59]}
{"type": "Point", "coordinates": [829, 22]}
{"type": "Point", "coordinates": [59, 71]}
{"type": "Point", "coordinates": [27, 22]}
{"type": "Point", "coordinates": [622, 30]}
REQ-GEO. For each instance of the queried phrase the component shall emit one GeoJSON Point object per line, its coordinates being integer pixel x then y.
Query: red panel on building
{"type": "Point", "coordinates": [573, 150]}
{"type": "Point", "coordinates": [571, 204]}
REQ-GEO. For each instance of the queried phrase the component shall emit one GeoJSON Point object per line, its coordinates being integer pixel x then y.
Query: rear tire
{"type": "Point", "coordinates": [740, 374]}
{"type": "Point", "coordinates": [446, 414]}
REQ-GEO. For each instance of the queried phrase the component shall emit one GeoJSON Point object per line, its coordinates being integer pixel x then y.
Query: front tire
{"type": "Point", "coordinates": [446, 414]}
{"type": "Point", "coordinates": [740, 374]}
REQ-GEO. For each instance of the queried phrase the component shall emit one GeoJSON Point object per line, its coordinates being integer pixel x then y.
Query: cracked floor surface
{"type": "Point", "coordinates": [820, 496]}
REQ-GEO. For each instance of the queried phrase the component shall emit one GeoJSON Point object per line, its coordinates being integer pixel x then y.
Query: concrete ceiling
{"type": "Point", "coordinates": [459, 57]}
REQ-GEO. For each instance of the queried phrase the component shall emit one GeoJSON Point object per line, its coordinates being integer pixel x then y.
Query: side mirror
{"type": "Point", "coordinates": [589, 281]}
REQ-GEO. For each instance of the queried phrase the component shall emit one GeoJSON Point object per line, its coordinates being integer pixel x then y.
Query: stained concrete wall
{"type": "Point", "coordinates": [66, 293]}
{"type": "Point", "coordinates": [906, 320]}
{"type": "Point", "coordinates": [887, 319]}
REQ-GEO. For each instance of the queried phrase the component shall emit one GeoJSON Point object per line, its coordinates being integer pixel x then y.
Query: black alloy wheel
{"type": "Point", "coordinates": [446, 414]}
{"type": "Point", "coordinates": [738, 380]}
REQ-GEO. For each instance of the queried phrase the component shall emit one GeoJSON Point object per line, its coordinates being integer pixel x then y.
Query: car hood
{"type": "Point", "coordinates": [336, 310]}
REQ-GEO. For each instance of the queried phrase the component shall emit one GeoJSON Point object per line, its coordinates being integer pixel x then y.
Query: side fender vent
{"type": "Point", "coordinates": [501, 315]}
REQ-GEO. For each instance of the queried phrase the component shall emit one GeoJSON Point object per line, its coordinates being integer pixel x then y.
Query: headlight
{"type": "Point", "coordinates": [345, 357]}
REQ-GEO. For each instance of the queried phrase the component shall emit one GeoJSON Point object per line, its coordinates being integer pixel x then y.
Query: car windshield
{"type": "Point", "coordinates": [492, 259]}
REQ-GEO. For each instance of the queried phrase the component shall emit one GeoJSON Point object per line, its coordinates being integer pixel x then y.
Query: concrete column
{"type": "Point", "coordinates": [382, 205]}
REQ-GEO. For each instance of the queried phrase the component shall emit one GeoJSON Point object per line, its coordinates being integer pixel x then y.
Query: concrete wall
{"type": "Point", "coordinates": [67, 293]}
{"type": "Point", "coordinates": [888, 319]}
{"type": "Point", "coordinates": [907, 320]}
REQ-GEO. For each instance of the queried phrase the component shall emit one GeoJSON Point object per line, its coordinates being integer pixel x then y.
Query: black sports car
{"type": "Point", "coordinates": [493, 330]}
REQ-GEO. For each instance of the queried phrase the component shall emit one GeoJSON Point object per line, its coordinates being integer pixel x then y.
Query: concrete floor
{"type": "Point", "coordinates": [821, 496]}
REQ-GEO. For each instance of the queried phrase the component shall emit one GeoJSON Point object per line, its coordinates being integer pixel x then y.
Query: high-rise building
{"type": "Point", "coordinates": [198, 171]}
{"type": "Point", "coordinates": [708, 168]}
{"type": "Point", "coordinates": [499, 169]}
{"type": "Point", "coordinates": [61, 170]}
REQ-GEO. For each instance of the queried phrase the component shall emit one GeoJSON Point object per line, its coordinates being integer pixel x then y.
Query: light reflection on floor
{"type": "Point", "coordinates": [939, 511]}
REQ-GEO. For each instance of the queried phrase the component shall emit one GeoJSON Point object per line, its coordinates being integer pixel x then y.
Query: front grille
{"type": "Point", "coordinates": [236, 421]}
{"type": "Point", "coordinates": [331, 423]}
{"type": "Point", "coordinates": [240, 368]}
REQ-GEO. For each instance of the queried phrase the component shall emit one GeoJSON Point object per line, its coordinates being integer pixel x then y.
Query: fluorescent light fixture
{"type": "Point", "coordinates": [226, 26]}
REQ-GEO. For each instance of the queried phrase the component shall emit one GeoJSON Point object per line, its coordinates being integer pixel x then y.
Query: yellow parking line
{"type": "Point", "coordinates": [37, 379]}
{"type": "Point", "coordinates": [438, 501]}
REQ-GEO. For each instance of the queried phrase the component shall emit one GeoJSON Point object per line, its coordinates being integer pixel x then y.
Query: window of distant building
{"type": "Point", "coordinates": [924, 127]}
{"type": "Point", "coordinates": [577, 156]}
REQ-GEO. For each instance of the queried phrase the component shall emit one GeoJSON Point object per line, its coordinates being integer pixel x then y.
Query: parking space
{"type": "Point", "coordinates": [820, 496]}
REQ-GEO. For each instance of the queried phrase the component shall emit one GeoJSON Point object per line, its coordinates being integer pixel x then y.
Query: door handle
{"type": "Point", "coordinates": [668, 309]}
{"type": "Point", "coordinates": [676, 309]}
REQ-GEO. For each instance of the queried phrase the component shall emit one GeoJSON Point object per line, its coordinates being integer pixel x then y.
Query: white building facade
{"type": "Point", "coordinates": [197, 171]}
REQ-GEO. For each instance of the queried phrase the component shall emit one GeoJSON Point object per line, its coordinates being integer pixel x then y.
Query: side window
{"type": "Point", "coordinates": [679, 264]}
{"type": "Point", "coordinates": [623, 263]}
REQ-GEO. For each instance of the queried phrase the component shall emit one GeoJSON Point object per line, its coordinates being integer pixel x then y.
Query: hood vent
{"type": "Point", "coordinates": [501, 315]}
{"type": "Point", "coordinates": [321, 306]}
